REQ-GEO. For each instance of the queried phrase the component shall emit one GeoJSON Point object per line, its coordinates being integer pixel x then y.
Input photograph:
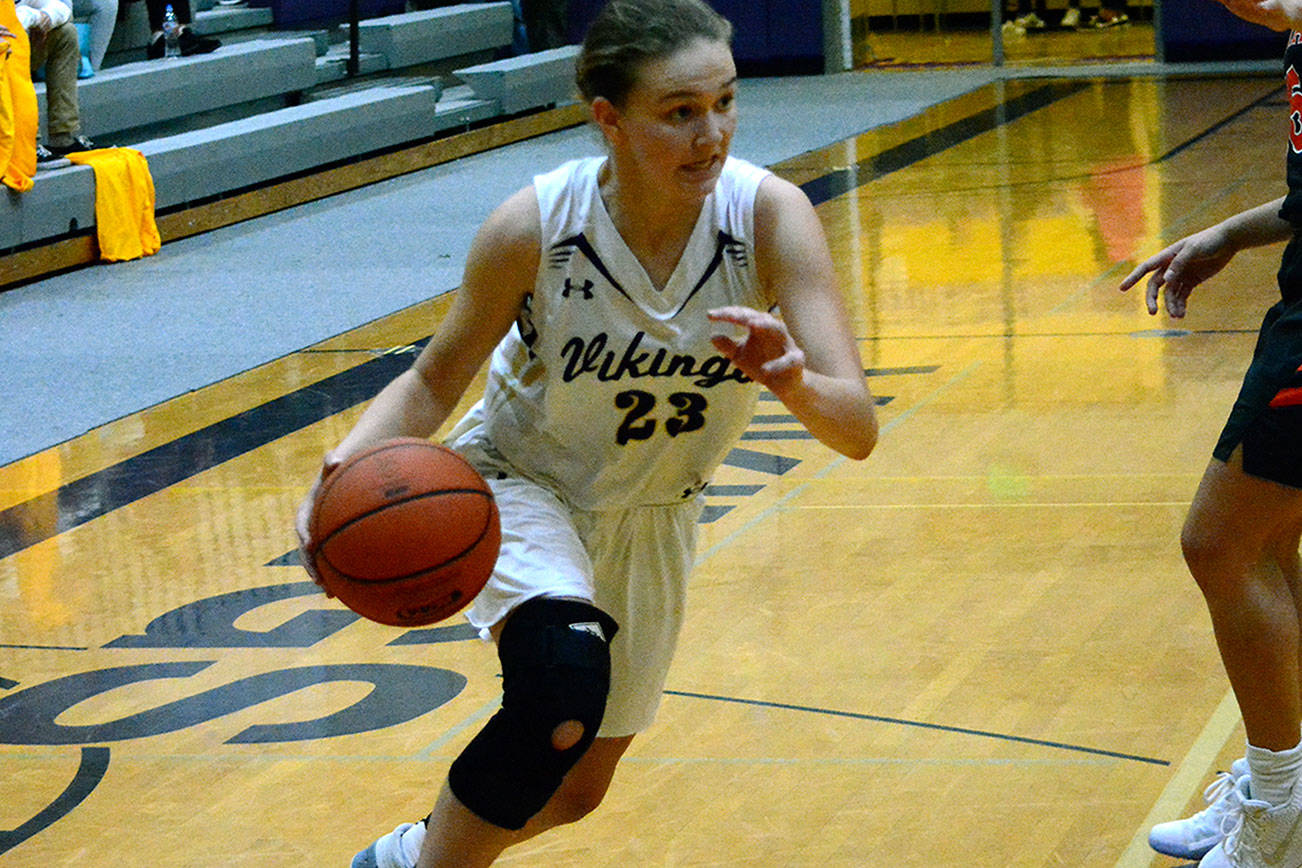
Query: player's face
{"type": "Point", "coordinates": [678, 120]}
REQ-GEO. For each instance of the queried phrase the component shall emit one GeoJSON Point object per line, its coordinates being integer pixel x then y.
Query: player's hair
{"type": "Point", "coordinates": [628, 33]}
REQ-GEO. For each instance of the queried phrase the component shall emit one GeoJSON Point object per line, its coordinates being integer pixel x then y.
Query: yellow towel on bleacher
{"type": "Point", "coordinates": [18, 118]}
{"type": "Point", "coordinates": [124, 203]}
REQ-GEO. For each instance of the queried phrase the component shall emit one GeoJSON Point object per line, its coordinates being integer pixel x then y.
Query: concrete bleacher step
{"type": "Point", "coordinates": [203, 163]}
{"type": "Point", "coordinates": [216, 160]}
{"type": "Point", "coordinates": [431, 35]}
{"type": "Point", "coordinates": [525, 82]}
{"type": "Point", "coordinates": [333, 65]}
{"type": "Point", "coordinates": [149, 92]}
{"type": "Point", "coordinates": [227, 19]}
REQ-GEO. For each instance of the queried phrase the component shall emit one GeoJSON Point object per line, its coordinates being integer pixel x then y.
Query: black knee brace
{"type": "Point", "coordinates": [555, 667]}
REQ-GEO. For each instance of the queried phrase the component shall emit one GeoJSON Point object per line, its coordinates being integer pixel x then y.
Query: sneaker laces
{"type": "Point", "coordinates": [1232, 829]}
{"type": "Point", "coordinates": [1238, 827]}
{"type": "Point", "coordinates": [1218, 788]}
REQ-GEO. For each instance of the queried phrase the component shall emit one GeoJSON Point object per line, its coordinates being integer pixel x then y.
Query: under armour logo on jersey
{"type": "Point", "coordinates": [586, 289]}
{"type": "Point", "coordinates": [560, 253]}
{"type": "Point", "coordinates": [590, 627]}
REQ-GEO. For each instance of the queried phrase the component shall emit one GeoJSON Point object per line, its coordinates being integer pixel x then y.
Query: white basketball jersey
{"type": "Point", "coordinates": [608, 390]}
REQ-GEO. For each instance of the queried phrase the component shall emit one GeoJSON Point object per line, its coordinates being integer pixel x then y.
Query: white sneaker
{"type": "Point", "coordinates": [1070, 18]}
{"type": "Point", "coordinates": [1012, 28]}
{"type": "Point", "coordinates": [398, 849]}
{"type": "Point", "coordinates": [1193, 837]}
{"type": "Point", "coordinates": [1030, 21]}
{"type": "Point", "coordinates": [1260, 835]}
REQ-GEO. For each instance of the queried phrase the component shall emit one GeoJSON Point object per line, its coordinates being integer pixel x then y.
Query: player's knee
{"type": "Point", "coordinates": [1197, 548]}
{"type": "Point", "coordinates": [556, 675]}
{"type": "Point", "coordinates": [567, 734]}
{"type": "Point", "coordinates": [1206, 550]}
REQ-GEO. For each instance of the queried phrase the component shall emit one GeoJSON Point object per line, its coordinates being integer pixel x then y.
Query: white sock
{"type": "Point", "coordinates": [1273, 773]}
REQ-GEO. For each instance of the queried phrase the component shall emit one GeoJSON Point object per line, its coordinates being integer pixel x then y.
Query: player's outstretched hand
{"type": "Point", "coordinates": [1275, 14]}
{"type": "Point", "coordinates": [766, 353]}
{"type": "Point", "coordinates": [303, 522]}
{"type": "Point", "coordinates": [1179, 268]}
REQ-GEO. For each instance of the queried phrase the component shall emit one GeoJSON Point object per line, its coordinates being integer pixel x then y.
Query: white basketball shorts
{"type": "Point", "coordinates": [633, 564]}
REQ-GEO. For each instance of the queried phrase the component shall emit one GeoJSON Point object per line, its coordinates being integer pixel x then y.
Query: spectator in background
{"type": "Point", "coordinates": [1111, 14]}
{"type": "Point", "coordinates": [54, 45]}
{"type": "Point", "coordinates": [546, 23]}
{"type": "Point", "coordinates": [101, 16]}
{"type": "Point", "coordinates": [191, 42]}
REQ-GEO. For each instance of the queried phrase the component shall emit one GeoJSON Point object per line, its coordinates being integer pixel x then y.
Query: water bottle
{"type": "Point", "coordinates": [171, 33]}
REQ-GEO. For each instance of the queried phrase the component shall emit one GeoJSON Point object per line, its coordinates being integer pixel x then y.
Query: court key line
{"type": "Point", "coordinates": [920, 724]}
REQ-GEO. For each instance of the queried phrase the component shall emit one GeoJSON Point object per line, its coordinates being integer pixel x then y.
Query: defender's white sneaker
{"type": "Point", "coordinates": [1260, 835]}
{"type": "Point", "coordinates": [398, 849]}
{"type": "Point", "coordinates": [1193, 837]}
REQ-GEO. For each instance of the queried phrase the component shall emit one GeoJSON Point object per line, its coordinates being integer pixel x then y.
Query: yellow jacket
{"type": "Point", "coordinates": [18, 117]}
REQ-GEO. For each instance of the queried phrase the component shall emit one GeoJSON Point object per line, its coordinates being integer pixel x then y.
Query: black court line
{"type": "Point", "coordinates": [910, 369]}
{"type": "Point", "coordinates": [90, 497]}
{"type": "Point", "coordinates": [94, 764]}
{"type": "Point", "coordinates": [75, 503]}
{"type": "Point", "coordinates": [42, 648]}
{"type": "Point", "coordinates": [1255, 104]}
{"type": "Point", "coordinates": [877, 718]}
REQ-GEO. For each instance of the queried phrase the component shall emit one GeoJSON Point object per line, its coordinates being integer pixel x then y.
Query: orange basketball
{"type": "Point", "coordinates": [406, 533]}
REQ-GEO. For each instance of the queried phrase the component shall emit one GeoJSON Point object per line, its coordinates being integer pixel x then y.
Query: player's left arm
{"type": "Point", "coordinates": [807, 357]}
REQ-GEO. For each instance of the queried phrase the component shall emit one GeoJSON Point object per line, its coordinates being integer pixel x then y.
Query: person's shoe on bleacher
{"type": "Point", "coordinates": [190, 42]}
{"type": "Point", "coordinates": [193, 43]}
{"type": "Point", "coordinates": [61, 147]}
{"type": "Point", "coordinates": [47, 159]}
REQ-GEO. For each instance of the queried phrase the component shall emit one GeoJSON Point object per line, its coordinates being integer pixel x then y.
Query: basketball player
{"type": "Point", "coordinates": [629, 299]}
{"type": "Point", "coordinates": [1242, 533]}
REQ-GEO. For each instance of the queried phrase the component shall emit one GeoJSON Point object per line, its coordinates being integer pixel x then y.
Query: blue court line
{"type": "Point", "coordinates": [80, 501]}
{"type": "Point", "coordinates": [898, 721]}
{"type": "Point", "coordinates": [94, 765]}
{"type": "Point", "coordinates": [1219, 125]}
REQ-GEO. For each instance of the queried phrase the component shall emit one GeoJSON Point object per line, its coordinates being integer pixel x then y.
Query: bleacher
{"type": "Point", "coordinates": [277, 102]}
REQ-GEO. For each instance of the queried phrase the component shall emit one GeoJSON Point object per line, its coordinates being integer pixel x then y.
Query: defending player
{"type": "Point", "coordinates": [1242, 533]}
{"type": "Point", "coordinates": [601, 292]}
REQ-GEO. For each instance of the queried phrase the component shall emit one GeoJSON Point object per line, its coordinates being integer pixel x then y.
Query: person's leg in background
{"type": "Point", "coordinates": [191, 42]}
{"type": "Point", "coordinates": [102, 16]}
{"type": "Point", "coordinates": [60, 53]}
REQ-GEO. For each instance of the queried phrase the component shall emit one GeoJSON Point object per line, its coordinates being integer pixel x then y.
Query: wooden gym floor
{"type": "Point", "coordinates": [977, 648]}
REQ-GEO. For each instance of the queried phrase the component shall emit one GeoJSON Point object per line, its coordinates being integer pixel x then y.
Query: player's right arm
{"type": "Point", "coordinates": [1175, 271]}
{"type": "Point", "coordinates": [501, 267]}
